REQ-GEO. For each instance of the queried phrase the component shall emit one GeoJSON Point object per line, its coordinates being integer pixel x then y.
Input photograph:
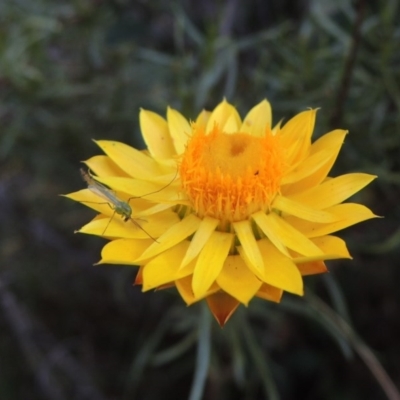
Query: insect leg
{"type": "Point", "coordinates": [140, 227]}
{"type": "Point", "coordinates": [108, 223]}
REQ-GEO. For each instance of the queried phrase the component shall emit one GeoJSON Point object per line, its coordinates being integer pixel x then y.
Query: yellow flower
{"type": "Point", "coordinates": [238, 209]}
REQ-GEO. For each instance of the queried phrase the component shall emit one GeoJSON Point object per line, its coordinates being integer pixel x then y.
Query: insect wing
{"type": "Point", "coordinates": [104, 193]}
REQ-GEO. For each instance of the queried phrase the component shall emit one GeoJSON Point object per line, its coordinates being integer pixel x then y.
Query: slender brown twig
{"type": "Point", "coordinates": [343, 91]}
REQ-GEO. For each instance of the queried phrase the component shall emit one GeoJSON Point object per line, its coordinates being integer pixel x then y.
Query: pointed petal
{"type": "Point", "coordinates": [310, 166]}
{"type": "Point", "coordinates": [164, 268]}
{"type": "Point", "coordinates": [312, 268]}
{"type": "Point", "coordinates": [276, 130]}
{"type": "Point", "coordinates": [156, 134]}
{"type": "Point", "coordinates": [202, 235]}
{"type": "Point", "coordinates": [231, 125]}
{"type": "Point", "coordinates": [302, 211]}
{"type": "Point", "coordinates": [184, 287]}
{"type": "Point", "coordinates": [331, 142]}
{"type": "Point", "coordinates": [347, 214]}
{"type": "Point", "coordinates": [280, 271]}
{"type": "Point", "coordinates": [271, 293]}
{"type": "Point", "coordinates": [177, 233]}
{"type": "Point", "coordinates": [237, 280]}
{"type": "Point", "coordinates": [116, 227]}
{"type": "Point", "coordinates": [262, 221]}
{"type": "Point", "coordinates": [123, 251]}
{"type": "Point", "coordinates": [165, 286]}
{"type": "Point", "coordinates": [179, 128]}
{"type": "Point", "coordinates": [333, 191]}
{"type": "Point", "coordinates": [132, 161]}
{"type": "Point", "coordinates": [202, 119]}
{"type": "Point", "coordinates": [152, 210]}
{"type": "Point", "coordinates": [210, 261]}
{"type": "Point", "coordinates": [137, 188]}
{"type": "Point", "coordinates": [139, 276]}
{"type": "Point", "coordinates": [249, 245]}
{"type": "Point", "coordinates": [296, 135]}
{"type": "Point", "coordinates": [274, 226]}
{"type": "Point", "coordinates": [258, 119]}
{"type": "Point", "coordinates": [103, 166]}
{"type": "Point", "coordinates": [91, 200]}
{"type": "Point", "coordinates": [221, 114]}
{"type": "Point", "coordinates": [332, 247]}
{"type": "Point", "coordinates": [222, 306]}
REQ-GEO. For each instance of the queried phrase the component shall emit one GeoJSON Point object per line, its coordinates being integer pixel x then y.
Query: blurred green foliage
{"type": "Point", "coordinates": [71, 71]}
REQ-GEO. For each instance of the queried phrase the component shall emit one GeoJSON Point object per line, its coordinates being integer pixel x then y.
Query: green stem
{"type": "Point", "coordinates": [260, 360]}
{"type": "Point", "coordinates": [203, 354]}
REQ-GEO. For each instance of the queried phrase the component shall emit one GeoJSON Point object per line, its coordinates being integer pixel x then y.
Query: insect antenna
{"type": "Point", "coordinates": [156, 191]}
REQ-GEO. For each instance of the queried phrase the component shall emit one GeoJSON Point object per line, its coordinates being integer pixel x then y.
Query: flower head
{"type": "Point", "coordinates": [230, 209]}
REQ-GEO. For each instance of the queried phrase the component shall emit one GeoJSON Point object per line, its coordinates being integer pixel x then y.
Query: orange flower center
{"type": "Point", "coordinates": [231, 176]}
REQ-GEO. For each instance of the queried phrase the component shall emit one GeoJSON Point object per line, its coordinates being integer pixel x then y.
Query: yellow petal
{"type": "Point", "coordinates": [134, 228]}
{"type": "Point", "coordinates": [221, 114]}
{"type": "Point", "coordinates": [156, 134]}
{"type": "Point", "coordinates": [174, 235]}
{"type": "Point", "coordinates": [164, 268]}
{"type": "Point", "coordinates": [263, 223]}
{"type": "Point", "coordinates": [130, 160]}
{"type": "Point", "coordinates": [271, 293]}
{"type": "Point", "coordinates": [333, 191]}
{"type": "Point", "coordinates": [202, 119]}
{"type": "Point", "coordinates": [123, 251]}
{"type": "Point", "coordinates": [246, 237]}
{"type": "Point", "coordinates": [275, 227]}
{"type": "Point", "coordinates": [309, 166]}
{"type": "Point", "coordinates": [206, 228]}
{"type": "Point", "coordinates": [237, 280]}
{"type": "Point", "coordinates": [184, 286]}
{"type": "Point", "coordinates": [277, 128]}
{"type": "Point", "coordinates": [91, 200]}
{"type": "Point", "coordinates": [302, 211]}
{"type": "Point", "coordinates": [347, 214]}
{"type": "Point", "coordinates": [179, 128]}
{"type": "Point", "coordinates": [137, 188]}
{"type": "Point", "coordinates": [296, 135]}
{"type": "Point", "coordinates": [332, 247]}
{"type": "Point", "coordinates": [151, 210]}
{"type": "Point", "coordinates": [280, 271]}
{"type": "Point", "coordinates": [258, 119]}
{"type": "Point", "coordinates": [222, 306]}
{"type": "Point", "coordinates": [231, 125]}
{"type": "Point", "coordinates": [331, 142]}
{"type": "Point", "coordinates": [312, 268]}
{"type": "Point", "coordinates": [210, 261]}
{"type": "Point", "coordinates": [103, 166]}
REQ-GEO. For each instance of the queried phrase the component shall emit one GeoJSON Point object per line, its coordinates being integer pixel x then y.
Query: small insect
{"type": "Point", "coordinates": [119, 206]}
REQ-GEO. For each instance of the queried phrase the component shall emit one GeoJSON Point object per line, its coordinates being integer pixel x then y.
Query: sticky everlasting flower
{"type": "Point", "coordinates": [230, 209]}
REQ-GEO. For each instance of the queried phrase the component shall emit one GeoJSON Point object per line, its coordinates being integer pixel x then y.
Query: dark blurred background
{"type": "Point", "coordinates": [71, 71]}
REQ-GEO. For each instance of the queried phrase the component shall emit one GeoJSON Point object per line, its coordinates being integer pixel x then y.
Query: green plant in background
{"type": "Point", "coordinates": [71, 72]}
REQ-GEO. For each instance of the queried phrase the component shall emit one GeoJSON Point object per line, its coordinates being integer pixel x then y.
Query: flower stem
{"type": "Point", "coordinates": [260, 361]}
{"type": "Point", "coordinates": [203, 354]}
